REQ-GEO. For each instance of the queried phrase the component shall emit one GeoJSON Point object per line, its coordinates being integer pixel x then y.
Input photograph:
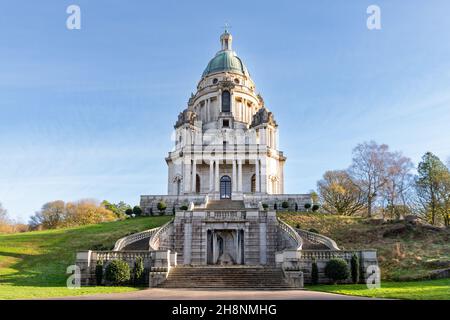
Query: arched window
{"type": "Point", "coordinates": [197, 184]}
{"type": "Point", "coordinates": [226, 101]}
{"type": "Point", "coordinates": [253, 183]}
{"type": "Point", "coordinates": [225, 187]}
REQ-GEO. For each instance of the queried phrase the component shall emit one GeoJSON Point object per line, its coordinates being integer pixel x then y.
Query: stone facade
{"type": "Point", "coordinates": [226, 142]}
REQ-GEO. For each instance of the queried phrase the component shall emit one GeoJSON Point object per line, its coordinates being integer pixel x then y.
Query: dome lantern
{"type": "Point", "coordinates": [226, 39]}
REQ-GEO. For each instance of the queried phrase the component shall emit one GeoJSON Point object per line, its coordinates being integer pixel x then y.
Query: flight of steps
{"type": "Point", "coordinates": [225, 205]}
{"type": "Point", "coordinates": [242, 277]}
{"type": "Point", "coordinates": [138, 245]}
{"type": "Point", "coordinates": [309, 245]}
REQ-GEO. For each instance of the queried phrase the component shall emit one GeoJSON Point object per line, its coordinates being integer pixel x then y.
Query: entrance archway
{"type": "Point", "coordinates": [225, 187]}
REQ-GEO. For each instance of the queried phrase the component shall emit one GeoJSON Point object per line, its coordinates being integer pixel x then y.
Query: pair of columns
{"type": "Point", "coordinates": [214, 175]}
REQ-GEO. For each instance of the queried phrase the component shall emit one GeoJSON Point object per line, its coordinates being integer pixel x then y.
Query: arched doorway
{"type": "Point", "coordinates": [225, 187]}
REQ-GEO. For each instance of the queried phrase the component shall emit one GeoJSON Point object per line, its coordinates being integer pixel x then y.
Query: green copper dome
{"type": "Point", "coordinates": [225, 60]}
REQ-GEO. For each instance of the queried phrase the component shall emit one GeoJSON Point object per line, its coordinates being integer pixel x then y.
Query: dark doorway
{"type": "Point", "coordinates": [225, 187]}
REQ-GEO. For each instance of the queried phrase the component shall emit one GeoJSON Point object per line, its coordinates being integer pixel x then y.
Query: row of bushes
{"type": "Point", "coordinates": [338, 270]}
{"type": "Point", "coordinates": [162, 206]}
{"type": "Point", "coordinates": [118, 272]}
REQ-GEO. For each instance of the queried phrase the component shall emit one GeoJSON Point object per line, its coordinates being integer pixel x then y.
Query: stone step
{"type": "Point", "coordinates": [226, 277]}
{"type": "Point", "coordinates": [225, 205]}
{"type": "Point", "coordinates": [138, 245]}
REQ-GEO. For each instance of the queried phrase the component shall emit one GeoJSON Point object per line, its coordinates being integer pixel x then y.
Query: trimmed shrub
{"type": "Point", "coordinates": [184, 207]}
{"type": "Point", "coordinates": [285, 204]}
{"type": "Point", "coordinates": [161, 206]}
{"type": "Point", "coordinates": [297, 225]}
{"type": "Point", "coordinates": [315, 207]}
{"type": "Point", "coordinates": [137, 211]}
{"type": "Point", "coordinates": [307, 206]}
{"type": "Point", "coordinates": [296, 207]}
{"type": "Point", "coordinates": [129, 212]}
{"type": "Point", "coordinates": [118, 272]}
{"type": "Point", "coordinates": [314, 273]}
{"type": "Point", "coordinates": [99, 273]}
{"type": "Point", "coordinates": [354, 267]}
{"type": "Point", "coordinates": [265, 206]}
{"type": "Point", "coordinates": [138, 271]}
{"type": "Point", "coordinates": [275, 206]}
{"type": "Point", "coordinates": [314, 230]}
{"type": "Point", "coordinates": [173, 210]}
{"type": "Point", "coordinates": [337, 269]}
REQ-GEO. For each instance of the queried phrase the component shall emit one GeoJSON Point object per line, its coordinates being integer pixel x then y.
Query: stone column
{"type": "Point", "coordinates": [234, 182]}
{"type": "Point", "coordinates": [187, 176]}
{"type": "Point", "coordinates": [211, 175]}
{"type": "Point", "coordinates": [257, 184]}
{"type": "Point", "coordinates": [240, 175]}
{"type": "Point", "coordinates": [194, 175]}
{"type": "Point", "coordinates": [217, 176]}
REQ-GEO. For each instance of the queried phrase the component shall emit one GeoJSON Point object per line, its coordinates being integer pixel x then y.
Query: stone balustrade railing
{"type": "Point", "coordinates": [292, 233]}
{"type": "Point", "coordinates": [87, 261]}
{"type": "Point", "coordinates": [226, 215]}
{"type": "Point", "coordinates": [318, 238]}
{"type": "Point", "coordinates": [156, 237]}
{"type": "Point", "coordinates": [125, 241]}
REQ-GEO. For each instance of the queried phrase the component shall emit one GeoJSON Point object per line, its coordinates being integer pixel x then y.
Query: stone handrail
{"type": "Point", "coordinates": [122, 255]}
{"type": "Point", "coordinates": [125, 241]}
{"type": "Point", "coordinates": [318, 238]}
{"type": "Point", "coordinates": [155, 238]}
{"type": "Point", "coordinates": [292, 233]}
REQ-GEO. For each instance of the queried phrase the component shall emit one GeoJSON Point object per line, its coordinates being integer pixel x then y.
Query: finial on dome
{"type": "Point", "coordinates": [226, 38]}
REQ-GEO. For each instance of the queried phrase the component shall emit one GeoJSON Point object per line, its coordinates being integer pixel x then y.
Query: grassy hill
{"type": "Point", "coordinates": [33, 264]}
{"type": "Point", "coordinates": [405, 252]}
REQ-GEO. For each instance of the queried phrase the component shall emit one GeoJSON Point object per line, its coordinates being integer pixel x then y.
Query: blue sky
{"type": "Point", "coordinates": [89, 113]}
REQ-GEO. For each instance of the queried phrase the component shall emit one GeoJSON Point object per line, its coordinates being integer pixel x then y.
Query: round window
{"type": "Point", "coordinates": [215, 81]}
{"type": "Point", "coordinates": [236, 81]}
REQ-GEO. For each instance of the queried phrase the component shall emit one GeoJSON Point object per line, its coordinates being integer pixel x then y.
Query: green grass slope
{"type": "Point", "coordinates": [405, 252]}
{"type": "Point", "coordinates": [33, 264]}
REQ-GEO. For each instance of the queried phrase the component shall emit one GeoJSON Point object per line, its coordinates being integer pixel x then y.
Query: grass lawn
{"type": "Point", "coordinates": [33, 264]}
{"type": "Point", "coordinates": [414, 290]}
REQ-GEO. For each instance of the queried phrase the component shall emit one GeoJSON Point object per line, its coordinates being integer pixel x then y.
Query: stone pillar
{"type": "Point", "coordinates": [194, 175]}
{"type": "Point", "coordinates": [217, 177]}
{"type": "Point", "coordinates": [263, 176]}
{"type": "Point", "coordinates": [234, 182]}
{"type": "Point", "coordinates": [211, 175]}
{"type": "Point", "coordinates": [257, 184]}
{"type": "Point", "coordinates": [240, 175]}
{"type": "Point", "coordinates": [207, 110]}
{"type": "Point", "coordinates": [187, 176]}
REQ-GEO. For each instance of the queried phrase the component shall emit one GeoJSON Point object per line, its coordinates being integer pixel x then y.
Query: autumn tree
{"type": "Point", "coordinates": [433, 189]}
{"type": "Point", "coordinates": [58, 214]}
{"type": "Point", "coordinates": [369, 170]}
{"type": "Point", "coordinates": [50, 216]}
{"type": "Point", "coordinates": [339, 194]}
{"type": "Point", "coordinates": [398, 182]}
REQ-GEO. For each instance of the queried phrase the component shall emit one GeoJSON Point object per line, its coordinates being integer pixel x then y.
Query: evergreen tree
{"type": "Point", "coordinates": [433, 188]}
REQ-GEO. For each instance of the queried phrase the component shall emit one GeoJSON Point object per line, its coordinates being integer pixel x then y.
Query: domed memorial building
{"type": "Point", "coordinates": [226, 143]}
{"type": "Point", "coordinates": [225, 183]}
{"type": "Point", "coordinates": [225, 168]}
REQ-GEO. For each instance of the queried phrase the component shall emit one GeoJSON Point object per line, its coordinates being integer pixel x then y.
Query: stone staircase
{"type": "Point", "coordinates": [138, 245]}
{"type": "Point", "coordinates": [225, 205]}
{"type": "Point", "coordinates": [235, 277]}
{"type": "Point", "coordinates": [309, 245]}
